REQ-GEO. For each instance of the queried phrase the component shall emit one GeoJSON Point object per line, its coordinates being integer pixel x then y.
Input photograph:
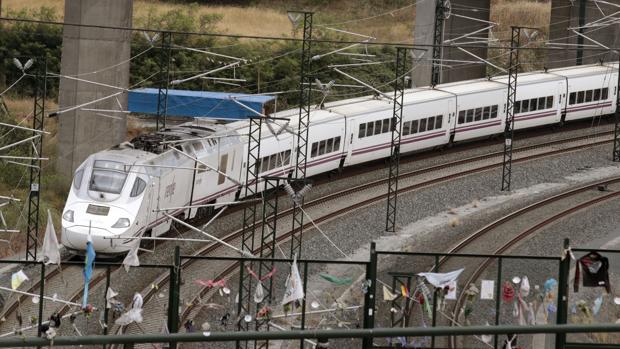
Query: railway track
{"type": "Point", "coordinates": [584, 202]}
{"type": "Point", "coordinates": [233, 238]}
{"type": "Point", "coordinates": [72, 277]}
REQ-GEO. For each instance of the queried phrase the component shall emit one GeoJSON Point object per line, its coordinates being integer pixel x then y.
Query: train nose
{"type": "Point", "coordinates": [75, 237]}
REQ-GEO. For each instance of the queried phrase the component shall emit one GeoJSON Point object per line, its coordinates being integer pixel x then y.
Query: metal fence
{"type": "Point", "coordinates": [215, 293]}
{"type": "Point", "coordinates": [594, 304]}
{"type": "Point", "coordinates": [30, 305]}
{"type": "Point", "coordinates": [349, 296]}
{"type": "Point", "coordinates": [471, 305]}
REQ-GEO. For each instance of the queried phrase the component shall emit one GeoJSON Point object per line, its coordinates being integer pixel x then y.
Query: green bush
{"type": "Point", "coordinates": [29, 40]}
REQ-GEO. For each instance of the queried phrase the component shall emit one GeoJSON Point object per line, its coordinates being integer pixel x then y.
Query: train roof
{"type": "Point", "coordinates": [530, 78]}
{"type": "Point", "coordinates": [357, 106]}
{"type": "Point", "coordinates": [198, 128]}
{"type": "Point", "coordinates": [353, 107]}
{"type": "Point", "coordinates": [316, 115]}
{"type": "Point", "coordinates": [585, 70]}
{"type": "Point", "coordinates": [470, 86]}
{"type": "Point", "coordinates": [124, 153]}
{"type": "Point", "coordinates": [370, 103]}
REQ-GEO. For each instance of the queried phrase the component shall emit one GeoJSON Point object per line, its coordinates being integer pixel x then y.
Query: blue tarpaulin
{"type": "Point", "coordinates": [197, 103]}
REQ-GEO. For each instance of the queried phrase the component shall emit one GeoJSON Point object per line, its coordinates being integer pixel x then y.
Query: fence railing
{"type": "Point", "coordinates": [375, 324]}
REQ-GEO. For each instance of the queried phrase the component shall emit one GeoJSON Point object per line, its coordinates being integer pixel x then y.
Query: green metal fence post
{"type": "Point", "coordinates": [369, 300]}
{"type": "Point", "coordinates": [106, 310]}
{"type": "Point", "coordinates": [498, 297]}
{"type": "Point", "coordinates": [434, 319]}
{"type": "Point", "coordinates": [240, 303]}
{"type": "Point", "coordinates": [562, 316]}
{"type": "Point", "coordinates": [41, 290]}
{"type": "Point", "coordinates": [174, 292]}
{"type": "Point", "coordinates": [303, 304]}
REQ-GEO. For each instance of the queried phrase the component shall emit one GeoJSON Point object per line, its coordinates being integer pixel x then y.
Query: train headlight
{"type": "Point", "coordinates": [121, 223]}
{"type": "Point", "coordinates": [68, 216]}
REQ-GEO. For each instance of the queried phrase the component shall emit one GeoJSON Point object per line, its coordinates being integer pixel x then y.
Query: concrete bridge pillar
{"type": "Point", "coordinates": [453, 28]}
{"type": "Point", "coordinates": [566, 14]}
{"type": "Point", "coordinates": [92, 54]}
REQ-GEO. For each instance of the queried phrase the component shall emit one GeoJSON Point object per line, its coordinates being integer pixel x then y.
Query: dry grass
{"type": "Point", "coordinates": [271, 20]}
{"type": "Point", "coordinates": [265, 21]}
{"type": "Point", "coordinates": [53, 193]}
{"type": "Point", "coordinates": [235, 20]}
{"type": "Point", "coordinates": [533, 14]}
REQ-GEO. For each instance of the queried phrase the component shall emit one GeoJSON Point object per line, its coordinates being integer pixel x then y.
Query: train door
{"type": "Point", "coordinates": [163, 224]}
{"type": "Point", "coordinates": [452, 108]}
{"type": "Point", "coordinates": [349, 138]}
{"type": "Point", "coordinates": [561, 93]}
{"type": "Point", "coordinates": [223, 167]}
{"type": "Point", "coordinates": [503, 111]}
{"type": "Point", "coordinates": [453, 122]}
{"type": "Point", "coordinates": [150, 215]}
{"type": "Point", "coordinates": [561, 105]}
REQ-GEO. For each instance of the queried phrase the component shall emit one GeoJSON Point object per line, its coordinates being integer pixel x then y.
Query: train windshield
{"type": "Point", "coordinates": [108, 177]}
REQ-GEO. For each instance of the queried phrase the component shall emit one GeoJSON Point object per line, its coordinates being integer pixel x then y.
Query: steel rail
{"type": "Point", "coordinates": [235, 235]}
{"type": "Point", "coordinates": [526, 233]}
{"type": "Point", "coordinates": [101, 276]}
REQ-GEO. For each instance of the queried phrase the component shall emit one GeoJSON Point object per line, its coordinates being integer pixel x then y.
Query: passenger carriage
{"type": "Point", "coordinates": [479, 107]}
{"type": "Point", "coordinates": [590, 91]}
{"type": "Point", "coordinates": [121, 192]}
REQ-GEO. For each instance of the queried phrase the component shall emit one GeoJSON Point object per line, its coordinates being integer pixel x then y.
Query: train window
{"type": "Point", "coordinates": [525, 106]}
{"type": "Point", "coordinates": [321, 148]}
{"type": "Point", "coordinates": [478, 115]}
{"type": "Point", "coordinates": [580, 96]}
{"type": "Point", "coordinates": [541, 102]}
{"type": "Point", "coordinates": [377, 127]}
{"type": "Point", "coordinates": [108, 177]}
{"type": "Point", "coordinates": [414, 126]}
{"type": "Point", "coordinates": [223, 166]}
{"type": "Point", "coordinates": [486, 113]}
{"type": "Point", "coordinates": [517, 107]}
{"type": "Point", "coordinates": [138, 187]}
{"type": "Point", "coordinates": [549, 102]}
{"type": "Point", "coordinates": [438, 121]}
{"type": "Point", "coordinates": [430, 125]}
{"type": "Point", "coordinates": [572, 98]}
{"type": "Point", "coordinates": [605, 94]}
{"type": "Point", "coordinates": [336, 143]}
{"type": "Point", "coordinates": [362, 131]}
{"type": "Point", "coordinates": [470, 115]}
{"type": "Point", "coordinates": [494, 112]}
{"type": "Point", "coordinates": [286, 159]}
{"type": "Point", "coordinates": [406, 128]}
{"type": "Point", "coordinates": [198, 146]}
{"type": "Point", "coordinates": [264, 164]}
{"type": "Point", "coordinates": [534, 104]}
{"type": "Point", "coordinates": [588, 96]}
{"type": "Point", "coordinates": [369, 129]}
{"type": "Point", "coordinates": [386, 126]}
{"type": "Point", "coordinates": [315, 148]}
{"type": "Point", "coordinates": [597, 95]}
{"type": "Point", "coordinates": [422, 125]}
{"type": "Point", "coordinates": [330, 146]}
{"type": "Point", "coordinates": [77, 180]}
{"type": "Point", "coordinates": [461, 116]}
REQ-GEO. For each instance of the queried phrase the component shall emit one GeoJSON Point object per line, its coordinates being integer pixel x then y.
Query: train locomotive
{"type": "Point", "coordinates": [122, 193]}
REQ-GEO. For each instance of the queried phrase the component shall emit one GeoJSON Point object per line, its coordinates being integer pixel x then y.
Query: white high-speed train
{"type": "Point", "coordinates": [121, 192]}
